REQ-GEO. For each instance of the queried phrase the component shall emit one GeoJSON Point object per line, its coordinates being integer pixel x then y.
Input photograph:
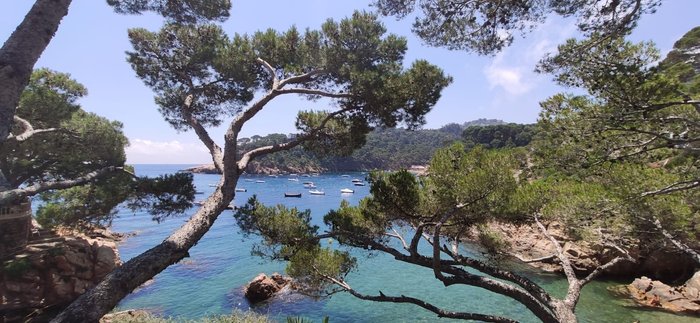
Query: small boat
{"type": "Point", "coordinates": [241, 190]}
{"type": "Point", "coordinates": [198, 203]}
{"type": "Point", "coordinates": [293, 179]}
{"type": "Point", "coordinates": [260, 181]}
{"type": "Point", "coordinates": [292, 194]}
{"type": "Point", "coordinates": [305, 175]}
{"type": "Point", "coordinates": [308, 183]}
{"type": "Point", "coordinates": [356, 180]}
{"type": "Point", "coordinates": [293, 175]}
{"type": "Point", "coordinates": [310, 186]}
{"type": "Point", "coordinates": [212, 185]}
{"type": "Point", "coordinates": [344, 175]}
{"type": "Point", "coordinates": [317, 192]}
{"type": "Point", "coordinates": [230, 207]}
{"type": "Point", "coordinates": [359, 184]}
{"type": "Point", "coordinates": [198, 192]}
{"type": "Point", "coordinates": [272, 175]}
{"type": "Point", "coordinates": [249, 180]}
{"type": "Point", "coordinates": [347, 191]}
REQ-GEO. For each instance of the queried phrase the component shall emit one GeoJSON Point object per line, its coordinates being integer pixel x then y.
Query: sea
{"type": "Point", "coordinates": [212, 279]}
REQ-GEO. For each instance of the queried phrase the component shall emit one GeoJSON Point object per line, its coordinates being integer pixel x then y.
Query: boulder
{"type": "Point", "coordinates": [679, 299]}
{"type": "Point", "coordinates": [263, 287]}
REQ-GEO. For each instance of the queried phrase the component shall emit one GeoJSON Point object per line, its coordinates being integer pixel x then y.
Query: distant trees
{"type": "Point", "coordinates": [499, 136]}
{"type": "Point", "coordinates": [202, 77]}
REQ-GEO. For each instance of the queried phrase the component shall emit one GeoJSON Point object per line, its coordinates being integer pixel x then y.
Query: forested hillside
{"type": "Point", "coordinates": [390, 148]}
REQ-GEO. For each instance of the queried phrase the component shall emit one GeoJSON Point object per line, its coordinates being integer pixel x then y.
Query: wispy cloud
{"type": "Point", "coordinates": [144, 151]}
{"type": "Point", "coordinates": [512, 70]}
{"type": "Point", "coordinates": [509, 78]}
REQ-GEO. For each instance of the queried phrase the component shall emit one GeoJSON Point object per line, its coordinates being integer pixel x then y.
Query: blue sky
{"type": "Point", "coordinates": [92, 39]}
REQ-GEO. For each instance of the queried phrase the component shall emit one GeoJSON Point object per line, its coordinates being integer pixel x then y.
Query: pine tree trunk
{"type": "Point", "coordinates": [95, 303]}
{"type": "Point", "coordinates": [21, 51]}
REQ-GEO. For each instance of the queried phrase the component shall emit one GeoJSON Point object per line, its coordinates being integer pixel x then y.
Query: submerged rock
{"type": "Point", "coordinates": [263, 287]}
{"type": "Point", "coordinates": [679, 299]}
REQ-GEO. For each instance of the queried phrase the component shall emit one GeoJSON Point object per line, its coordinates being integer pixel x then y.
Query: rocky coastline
{"type": "Point", "coordinates": [53, 269]}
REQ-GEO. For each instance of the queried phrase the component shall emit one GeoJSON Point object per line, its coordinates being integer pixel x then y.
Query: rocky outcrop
{"type": "Point", "coordinates": [655, 294]}
{"type": "Point", "coordinates": [201, 169]}
{"type": "Point", "coordinates": [263, 287]}
{"type": "Point", "coordinates": [527, 242]}
{"type": "Point", "coordinates": [257, 168]}
{"type": "Point", "coordinates": [53, 269]}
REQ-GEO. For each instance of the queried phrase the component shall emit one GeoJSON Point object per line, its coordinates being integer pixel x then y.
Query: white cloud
{"type": "Point", "coordinates": [143, 151]}
{"type": "Point", "coordinates": [510, 78]}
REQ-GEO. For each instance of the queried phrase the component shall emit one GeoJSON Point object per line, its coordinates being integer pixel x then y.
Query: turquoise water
{"type": "Point", "coordinates": [211, 280]}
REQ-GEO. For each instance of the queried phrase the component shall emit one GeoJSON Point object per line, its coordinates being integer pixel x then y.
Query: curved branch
{"type": "Point", "coordinates": [214, 149]}
{"type": "Point", "coordinates": [271, 70]}
{"type": "Point", "coordinates": [303, 78]}
{"type": "Point", "coordinates": [675, 187]}
{"type": "Point", "coordinates": [247, 157]}
{"type": "Point", "coordinates": [692, 253]}
{"type": "Point", "coordinates": [428, 306]}
{"type": "Point", "coordinates": [14, 194]}
{"type": "Point", "coordinates": [314, 92]}
{"type": "Point", "coordinates": [28, 130]}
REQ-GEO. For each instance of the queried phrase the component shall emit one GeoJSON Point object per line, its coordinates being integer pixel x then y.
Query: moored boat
{"type": "Point", "coordinates": [317, 192]}
{"type": "Point", "coordinates": [290, 194]}
{"type": "Point", "coordinates": [359, 184]}
{"type": "Point", "coordinates": [241, 190]}
{"type": "Point", "coordinates": [347, 191]}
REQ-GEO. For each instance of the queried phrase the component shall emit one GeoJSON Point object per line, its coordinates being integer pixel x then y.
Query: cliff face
{"type": "Point", "coordinates": [53, 270]}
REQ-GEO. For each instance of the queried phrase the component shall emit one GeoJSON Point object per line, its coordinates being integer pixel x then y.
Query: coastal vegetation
{"type": "Point", "coordinates": [616, 165]}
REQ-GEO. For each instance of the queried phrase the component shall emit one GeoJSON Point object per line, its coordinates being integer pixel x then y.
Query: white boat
{"type": "Point", "coordinates": [344, 175]}
{"type": "Point", "coordinates": [305, 175]}
{"type": "Point", "coordinates": [293, 179]}
{"type": "Point", "coordinates": [347, 191]}
{"type": "Point", "coordinates": [310, 186]}
{"type": "Point", "coordinates": [359, 184]}
{"type": "Point", "coordinates": [317, 192]}
{"type": "Point", "coordinates": [356, 180]}
{"type": "Point", "coordinates": [260, 181]}
{"type": "Point", "coordinates": [272, 175]}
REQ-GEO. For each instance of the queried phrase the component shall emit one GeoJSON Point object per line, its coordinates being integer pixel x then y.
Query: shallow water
{"type": "Point", "coordinates": [210, 281]}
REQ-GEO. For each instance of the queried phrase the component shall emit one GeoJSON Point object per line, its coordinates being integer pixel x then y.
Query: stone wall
{"type": "Point", "coordinates": [15, 227]}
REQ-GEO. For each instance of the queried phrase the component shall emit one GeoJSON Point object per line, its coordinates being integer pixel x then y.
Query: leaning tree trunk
{"type": "Point", "coordinates": [101, 299]}
{"type": "Point", "coordinates": [21, 51]}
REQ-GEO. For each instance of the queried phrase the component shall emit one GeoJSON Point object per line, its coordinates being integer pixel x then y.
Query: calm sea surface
{"type": "Point", "coordinates": [210, 281]}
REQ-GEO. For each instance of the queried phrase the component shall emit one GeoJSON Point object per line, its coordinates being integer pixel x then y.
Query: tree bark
{"type": "Point", "coordinates": [95, 303]}
{"type": "Point", "coordinates": [21, 51]}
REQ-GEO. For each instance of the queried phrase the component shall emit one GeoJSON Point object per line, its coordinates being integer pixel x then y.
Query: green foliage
{"type": "Point", "coordinates": [493, 241]}
{"type": "Point", "coordinates": [180, 11]}
{"type": "Point", "coordinates": [626, 153]}
{"type": "Point", "coordinates": [50, 101]}
{"type": "Point", "coordinates": [485, 26]}
{"type": "Point", "coordinates": [201, 76]}
{"type": "Point", "coordinates": [499, 136]}
{"type": "Point", "coordinates": [16, 268]}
